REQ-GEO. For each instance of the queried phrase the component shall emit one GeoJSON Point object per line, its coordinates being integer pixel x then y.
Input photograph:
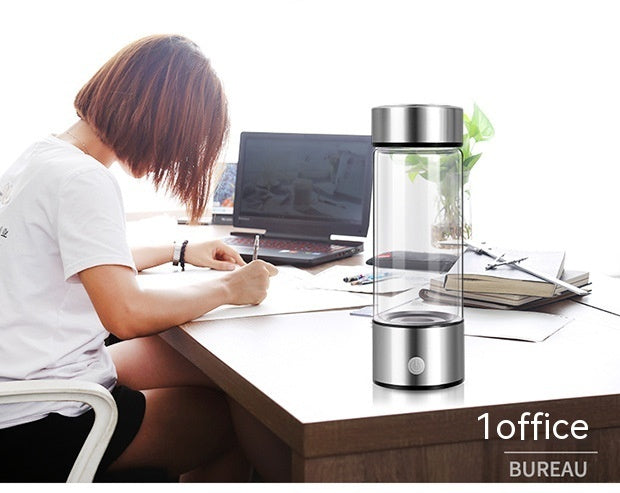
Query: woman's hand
{"type": "Point", "coordinates": [214, 254]}
{"type": "Point", "coordinates": [248, 285]}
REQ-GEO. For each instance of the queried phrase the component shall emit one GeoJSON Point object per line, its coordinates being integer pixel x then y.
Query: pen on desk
{"type": "Point", "coordinates": [256, 245]}
{"type": "Point", "coordinates": [353, 278]}
{"type": "Point", "coordinates": [362, 280]}
{"type": "Point", "coordinates": [371, 278]}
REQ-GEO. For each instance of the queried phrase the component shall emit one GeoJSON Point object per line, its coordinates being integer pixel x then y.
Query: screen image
{"type": "Point", "coordinates": [224, 194]}
{"type": "Point", "coordinates": [305, 177]}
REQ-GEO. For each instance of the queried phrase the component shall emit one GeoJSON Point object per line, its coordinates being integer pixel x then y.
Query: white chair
{"type": "Point", "coordinates": [95, 395]}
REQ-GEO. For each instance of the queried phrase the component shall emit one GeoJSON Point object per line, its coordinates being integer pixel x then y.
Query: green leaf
{"type": "Point", "coordinates": [472, 130]}
{"type": "Point", "coordinates": [416, 165]}
{"type": "Point", "coordinates": [469, 162]}
{"type": "Point", "coordinates": [483, 126]}
{"type": "Point", "coordinates": [471, 127]}
{"type": "Point", "coordinates": [415, 160]}
{"type": "Point", "coordinates": [448, 163]}
{"type": "Point", "coordinates": [466, 148]}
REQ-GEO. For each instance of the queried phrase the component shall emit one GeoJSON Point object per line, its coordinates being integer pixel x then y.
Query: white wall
{"type": "Point", "coordinates": [546, 74]}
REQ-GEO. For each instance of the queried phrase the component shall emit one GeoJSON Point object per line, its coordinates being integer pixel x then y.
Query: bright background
{"type": "Point", "coordinates": [545, 73]}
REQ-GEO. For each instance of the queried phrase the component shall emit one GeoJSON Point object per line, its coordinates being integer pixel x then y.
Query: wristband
{"type": "Point", "coordinates": [182, 255]}
{"type": "Point", "coordinates": [176, 254]}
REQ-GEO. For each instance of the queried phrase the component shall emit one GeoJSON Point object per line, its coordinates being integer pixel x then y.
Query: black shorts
{"type": "Point", "coordinates": [44, 450]}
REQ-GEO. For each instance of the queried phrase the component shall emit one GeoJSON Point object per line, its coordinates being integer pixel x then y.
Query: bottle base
{"type": "Point", "coordinates": [419, 387]}
{"type": "Point", "coordinates": [418, 358]}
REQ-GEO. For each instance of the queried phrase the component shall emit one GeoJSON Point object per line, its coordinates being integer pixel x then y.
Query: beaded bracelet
{"type": "Point", "coordinates": [182, 257]}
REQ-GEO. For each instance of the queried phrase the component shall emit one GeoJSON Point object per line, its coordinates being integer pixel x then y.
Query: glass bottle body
{"type": "Point", "coordinates": [418, 227]}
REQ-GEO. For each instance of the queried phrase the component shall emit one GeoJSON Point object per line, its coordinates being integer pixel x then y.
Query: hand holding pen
{"type": "Point", "coordinates": [248, 285]}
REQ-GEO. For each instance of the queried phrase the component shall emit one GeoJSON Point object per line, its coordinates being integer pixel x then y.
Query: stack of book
{"type": "Point", "coordinates": [505, 287]}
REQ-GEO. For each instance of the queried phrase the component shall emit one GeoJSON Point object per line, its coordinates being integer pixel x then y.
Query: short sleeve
{"type": "Point", "coordinates": [91, 223]}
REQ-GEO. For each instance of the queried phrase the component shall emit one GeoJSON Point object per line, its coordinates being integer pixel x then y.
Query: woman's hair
{"type": "Point", "coordinates": [159, 105]}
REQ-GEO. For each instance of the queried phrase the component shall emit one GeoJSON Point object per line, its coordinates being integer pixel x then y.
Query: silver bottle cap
{"type": "Point", "coordinates": [412, 125]}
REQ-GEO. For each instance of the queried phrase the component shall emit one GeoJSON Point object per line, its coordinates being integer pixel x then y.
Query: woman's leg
{"type": "Point", "coordinates": [186, 425]}
{"type": "Point", "coordinates": [183, 428]}
{"type": "Point", "coordinates": [151, 363]}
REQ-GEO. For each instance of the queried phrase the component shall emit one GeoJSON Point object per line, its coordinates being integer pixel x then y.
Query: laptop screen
{"type": "Point", "coordinates": [304, 185]}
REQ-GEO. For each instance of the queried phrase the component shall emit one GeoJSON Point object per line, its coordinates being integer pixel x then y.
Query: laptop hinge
{"type": "Point", "coordinates": [288, 236]}
{"type": "Point", "coordinates": [297, 236]}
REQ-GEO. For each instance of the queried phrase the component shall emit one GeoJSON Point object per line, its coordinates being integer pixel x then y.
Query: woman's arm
{"type": "Point", "coordinates": [128, 311]}
{"type": "Point", "coordinates": [214, 254]}
{"type": "Point", "coordinates": [151, 256]}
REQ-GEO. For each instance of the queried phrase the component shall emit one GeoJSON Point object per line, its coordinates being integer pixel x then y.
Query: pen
{"type": "Point", "coordinates": [256, 244]}
{"type": "Point", "coordinates": [371, 278]}
{"type": "Point", "coordinates": [353, 278]}
{"type": "Point", "coordinates": [362, 280]}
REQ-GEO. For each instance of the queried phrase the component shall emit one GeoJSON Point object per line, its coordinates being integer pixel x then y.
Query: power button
{"type": "Point", "coordinates": [416, 365]}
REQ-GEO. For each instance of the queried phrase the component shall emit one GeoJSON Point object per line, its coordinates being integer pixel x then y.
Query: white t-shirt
{"type": "Point", "coordinates": [61, 212]}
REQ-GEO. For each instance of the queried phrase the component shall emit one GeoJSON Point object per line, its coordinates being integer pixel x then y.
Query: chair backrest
{"type": "Point", "coordinates": [95, 395]}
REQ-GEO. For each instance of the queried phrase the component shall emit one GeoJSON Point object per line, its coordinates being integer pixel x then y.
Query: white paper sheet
{"type": "Point", "coordinates": [286, 294]}
{"type": "Point", "coordinates": [512, 324]}
{"type": "Point", "coordinates": [332, 279]}
{"type": "Point", "coordinates": [504, 324]}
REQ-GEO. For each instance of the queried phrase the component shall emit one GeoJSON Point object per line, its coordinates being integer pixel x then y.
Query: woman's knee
{"type": "Point", "coordinates": [150, 362]}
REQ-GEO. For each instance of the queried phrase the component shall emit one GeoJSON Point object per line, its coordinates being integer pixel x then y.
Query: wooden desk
{"type": "Point", "coordinates": [308, 378]}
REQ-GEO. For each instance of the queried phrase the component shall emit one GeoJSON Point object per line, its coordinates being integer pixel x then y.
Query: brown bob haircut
{"type": "Point", "coordinates": [159, 105]}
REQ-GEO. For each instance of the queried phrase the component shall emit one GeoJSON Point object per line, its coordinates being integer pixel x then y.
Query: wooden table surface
{"type": "Point", "coordinates": [308, 377]}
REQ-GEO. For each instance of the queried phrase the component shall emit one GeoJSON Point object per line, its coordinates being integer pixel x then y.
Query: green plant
{"type": "Point", "coordinates": [444, 172]}
{"type": "Point", "coordinates": [478, 128]}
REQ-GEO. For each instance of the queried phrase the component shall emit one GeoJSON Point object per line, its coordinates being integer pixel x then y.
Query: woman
{"type": "Point", "coordinates": [68, 276]}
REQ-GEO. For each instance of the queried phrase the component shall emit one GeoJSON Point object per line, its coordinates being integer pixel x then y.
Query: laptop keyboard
{"type": "Point", "coordinates": [280, 244]}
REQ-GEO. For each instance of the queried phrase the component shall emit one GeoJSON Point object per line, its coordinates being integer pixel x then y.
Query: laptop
{"type": "Point", "coordinates": [302, 189]}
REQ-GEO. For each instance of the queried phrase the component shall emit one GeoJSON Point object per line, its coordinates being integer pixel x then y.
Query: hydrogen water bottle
{"type": "Point", "coordinates": [418, 225]}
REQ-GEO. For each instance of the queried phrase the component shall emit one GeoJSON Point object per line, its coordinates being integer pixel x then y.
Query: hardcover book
{"type": "Point", "coordinates": [505, 279]}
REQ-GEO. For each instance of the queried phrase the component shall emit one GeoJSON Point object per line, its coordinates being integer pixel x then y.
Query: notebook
{"type": "Point", "coordinates": [505, 279]}
{"type": "Point", "coordinates": [302, 189]}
